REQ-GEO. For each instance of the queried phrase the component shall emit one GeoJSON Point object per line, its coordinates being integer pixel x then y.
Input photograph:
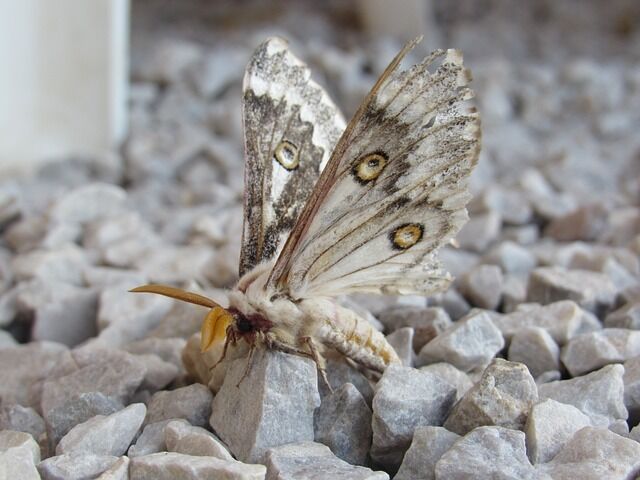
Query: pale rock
{"type": "Point", "coordinates": [217, 69]}
{"type": "Point", "coordinates": [60, 235]}
{"type": "Point", "coordinates": [480, 231]}
{"type": "Point", "coordinates": [591, 351]}
{"type": "Point", "coordinates": [549, 426]}
{"type": "Point", "coordinates": [192, 403]}
{"type": "Point", "coordinates": [511, 258]}
{"type": "Point", "coordinates": [402, 342]}
{"type": "Point", "coordinates": [19, 454]}
{"type": "Point", "coordinates": [339, 373]}
{"type": "Point", "coordinates": [406, 398]}
{"type": "Point", "coordinates": [427, 446]}
{"type": "Point", "coordinates": [482, 286]}
{"type": "Point", "coordinates": [469, 344]}
{"type": "Point", "coordinates": [593, 291]}
{"type": "Point", "coordinates": [595, 454]}
{"type": "Point", "coordinates": [175, 264]}
{"type": "Point", "coordinates": [426, 322]}
{"type": "Point", "coordinates": [453, 303]}
{"type": "Point", "coordinates": [513, 207]}
{"type": "Point", "coordinates": [7, 340]}
{"type": "Point", "coordinates": [586, 223]}
{"type": "Point", "coordinates": [271, 404]}
{"type": "Point", "coordinates": [562, 320]}
{"type": "Point", "coordinates": [627, 316]}
{"type": "Point", "coordinates": [118, 471]}
{"type": "Point", "coordinates": [514, 292]}
{"type": "Point", "coordinates": [457, 261]}
{"type": "Point", "coordinates": [158, 374]}
{"type": "Point", "coordinates": [89, 203]}
{"type": "Point", "coordinates": [488, 452]}
{"type": "Point", "coordinates": [9, 305]}
{"type": "Point", "coordinates": [128, 251]}
{"type": "Point", "coordinates": [168, 62]}
{"type": "Point", "coordinates": [631, 379]}
{"type": "Point", "coordinates": [343, 423]}
{"type": "Point", "coordinates": [152, 439]}
{"type": "Point", "coordinates": [104, 435]}
{"type": "Point", "coordinates": [313, 460]}
{"type": "Point", "coordinates": [634, 434]}
{"type": "Point", "coordinates": [65, 265]}
{"type": "Point", "coordinates": [21, 419]}
{"type": "Point", "coordinates": [103, 277]}
{"type": "Point", "coordinates": [503, 397]}
{"type": "Point", "coordinates": [521, 235]}
{"type": "Point", "coordinates": [599, 395]}
{"type": "Point", "coordinates": [79, 466]}
{"type": "Point", "coordinates": [168, 349]}
{"type": "Point", "coordinates": [26, 234]}
{"type": "Point", "coordinates": [100, 234]}
{"type": "Point", "coordinates": [535, 347]}
{"type": "Point", "coordinates": [450, 374]}
{"type": "Point", "coordinates": [621, 427]}
{"type": "Point", "coordinates": [180, 437]}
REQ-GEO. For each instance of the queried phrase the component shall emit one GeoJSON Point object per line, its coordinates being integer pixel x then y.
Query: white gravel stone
{"type": "Point", "coordinates": [513, 207]}
{"type": "Point", "coordinates": [590, 351]}
{"type": "Point", "coordinates": [272, 405]}
{"type": "Point", "coordinates": [503, 397]}
{"type": "Point", "coordinates": [118, 471]}
{"type": "Point", "coordinates": [192, 403]}
{"type": "Point", "coordinates": [627, 316]}
{"type": "Point", "coordinates": [480, 231]}
{"type": "Point", "coordinates": [88, 203]}
{"type": "Point", "coordinates": [152, 439]}
{"type": "Point", "coordinates": [21, 419]}
{"type": "Point", "coordinates": [173, 466]}
{"type": "Point", "coordinates": [19, 454]}
{"type": "Point", "coordinates": [595, 454]}
{"type": "Point", "coordinates": [450, 374]}
{"type": "Point", "coordinates": [218, 69]}
{"type": "Point", "coordinates": [593, 291]}
{"type": "Point", "coordinates": [631, 380]}
{"type": "Point", "coordinates": [427, 446]}
{"type": "Point", "coordinates": [599, 395]}
{"type": "Point", "coordinates": [168, 349]}
{"type": "Point", "coordinates": [181, 437]}
{"type": "Point", "coordinates": [427, 322]}
{"type": "Point", "coordinates": [158, 374]}
{"type": "Point", "coordinates": [482, 286]}
{"type": "Point", "coordinates": [563, 320]}
{"type": "Point", "coordinates": [453, 303]}
{"type": "Point", "coordinates": [65, 264]}
{"type": "Point", "coordinates": [469, 344]}
{"type": "Point", "coordinates": [585, 223]}
{"type": "Point", "coordinates": [511, 258]}
{"type": "Point", "coordinates": [488, 452]}
{"type": "Point", "coordinates": [402, 342]}
{"type": "Point", "coordinates": [313, 460]}
{"type": "Point", "coordinates": [549, 426]}
{"type": "Point", "coordinates": [104, 435]}
{"type": "Point", "coordinates": [340, 373]}
{"type": "Point", "coordinates": [535, 347]}
{"type": "Point", "coordinates": [79, 466]}
{"type": "Point", "coordinates": [343, 423]}
{"type": "Point", "coordinates": [406, 398]}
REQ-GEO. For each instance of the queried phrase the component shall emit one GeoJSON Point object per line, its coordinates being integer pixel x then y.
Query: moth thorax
{"type": "Point", "coordinates": [250, 324]}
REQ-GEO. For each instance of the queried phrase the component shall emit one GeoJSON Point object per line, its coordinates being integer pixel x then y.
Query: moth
{"type": "Point", "coordinates": [331, 209]}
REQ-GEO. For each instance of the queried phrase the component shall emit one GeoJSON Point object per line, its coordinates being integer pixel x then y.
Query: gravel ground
{"type": "Point", "coordinates": [528, 367]}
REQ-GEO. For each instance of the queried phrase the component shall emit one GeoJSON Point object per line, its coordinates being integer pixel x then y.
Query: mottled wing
{"type": "Point", "coordinates": [290, 128]}
{"type": "Point", "coordinates": [394, 190]}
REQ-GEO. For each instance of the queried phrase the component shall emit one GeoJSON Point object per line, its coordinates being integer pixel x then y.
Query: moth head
{"type": "Point", "coordinates": [214, 325]}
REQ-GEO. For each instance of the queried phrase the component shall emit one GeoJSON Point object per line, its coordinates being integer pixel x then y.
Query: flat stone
{"type": "Point", "coordinates": [450, 374]}
{"type": "Point", "coordinates": [21, 419]}
{"type": "Point", "coordinates": [79, 466]}
{"type": "Point", "coordinates": [217, 70]}
{"type": "Point", "coordinates": [634, 434]}
{"type": "Point", "coordinates": [620, 427]}
{"type": "Point", "coordinates": [181, 437]}
{"type": "Point", "coordinates": [469, 344]}
{"type": "Point", "coordinates": [65, 264]}
{"type": "Point", "coordinates": [402, 342]}
{"type": "Point", "coordinates": [599, 394]}
{"type": "Point", "coordinates": [118, 471]}
{"type": "Point", "coordinates": [340, 373]}
{"type": "Point", "coordinates": [88, 203]}
{"type": "Point", "coordinates": [313, 460]}
{"type": "Point", "coordinates": [24, 366]}
{"type": "Point", "coordinates": [503, 397]}
{"type": "Point", "coordinates": [457, 261]}
{"type": "Point", "coordinates": [591, 351]}
{"type": "Point", "coordinates": [535, 347]}
{"type": "Point", "coordinates": [585, 223]}
{"type": "Point", "coordinates": [158, 373]}
{"type": "Point", "coordinates": [513, 207]}
{"type": "Point", "coordinates": [104, 435]}
{"type": "Point", "coordinates": [631, 379]}
{"type": "Point", "coordinates": [594, 454]}
{"type": "Point", "coordinates": [192, 403]}
{"type": "Point", "coordinates": [19, 454]}
{"type": "Point", "coordinates": [406, 398]}
{"type": "Point", "coordinates": [103, 277]}
{"type": "Point", "coordinates": [168, 349]}
{"type": "Point", "coordinates": [514, 292]}
{"type": "Point", "coordinates": [562, 320]}
{"type": "Point", "coordinates": [175, 264]}
{"type": "Point", "coordinates": [521, 235]}
{"type": "Point", "coordinates": [549, 426]}
{"type": "Point", "coordinates": [480, 231]}
{"type": "Point", "coordinates": [272, 405]}
{"type": "Point", "coordinates": [550, 376]}
{"type": "Point", "coordinates": [177, 466]}
{"type": "Point", "coordinates": [511, 257]}
{"type": "Point", "coordinates": [482, 286]}
{"type": "Point", "coordinates": [343, 423]}
{"type": "Point", "coordinates": [453, 303]}
{"type": "Point", "coordinates": [627, 316]}
{"type": "Point", "coordinates": [427, 446]}
{"type": "Point", "coordinates": [75, 410]}
{"type": "Point", "coordinates": [593, 291]}
{"type": "Point", "coordinates": [427, 322]}
{"type": "Point", "coordinates": [7, 340]}
{"type": "Point", "coordinates": [488, 452]}
{"type": "Point", "coordinates": [152, 439]}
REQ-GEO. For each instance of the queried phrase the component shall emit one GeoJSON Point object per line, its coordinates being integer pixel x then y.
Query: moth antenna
{"type": "Point", "coordinates": [249, 364]}
{"type": "Point", "coordinates": [177, 293]}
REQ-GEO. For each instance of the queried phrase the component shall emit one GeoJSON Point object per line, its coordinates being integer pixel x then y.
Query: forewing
{"type": "Point", "coordinates": [290, 128]}
{"type": "Point", "coordinates": [394, 190]}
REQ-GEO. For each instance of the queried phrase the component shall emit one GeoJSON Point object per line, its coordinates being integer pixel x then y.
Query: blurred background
{"type": "Point", "coordinates": [121, 143]}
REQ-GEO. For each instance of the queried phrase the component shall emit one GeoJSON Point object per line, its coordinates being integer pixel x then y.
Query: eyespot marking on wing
{"type": "Point", "coordinates": [406, 236]}
{"type": "Point", "coordinates": [369, 167]}
{"type": "Point", "coordinates": [287, 155]}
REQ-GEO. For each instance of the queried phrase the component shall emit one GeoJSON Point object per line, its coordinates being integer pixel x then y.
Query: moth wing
{"type": "Point", "coordinates": [290, 129]}
{"type": "Point", "coordinates": [394, 190]}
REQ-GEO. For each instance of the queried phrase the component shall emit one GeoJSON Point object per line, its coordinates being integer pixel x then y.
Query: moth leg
{"type": "Point", "coordinates": [248, 366]}
{"type": "Point", "coordinates": [283, 347]}
{"type": "Point", "coordinates": [319, 359]}
{"type": "Point", "coordinates": [230, 338]}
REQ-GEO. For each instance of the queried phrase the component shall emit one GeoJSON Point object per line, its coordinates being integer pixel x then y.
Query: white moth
{"type": "Point", "coordinates": [331, 210]}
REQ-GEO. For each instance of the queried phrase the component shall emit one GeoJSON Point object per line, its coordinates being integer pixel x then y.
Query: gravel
{"type": "Point", "coordinates": [547, 271]}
